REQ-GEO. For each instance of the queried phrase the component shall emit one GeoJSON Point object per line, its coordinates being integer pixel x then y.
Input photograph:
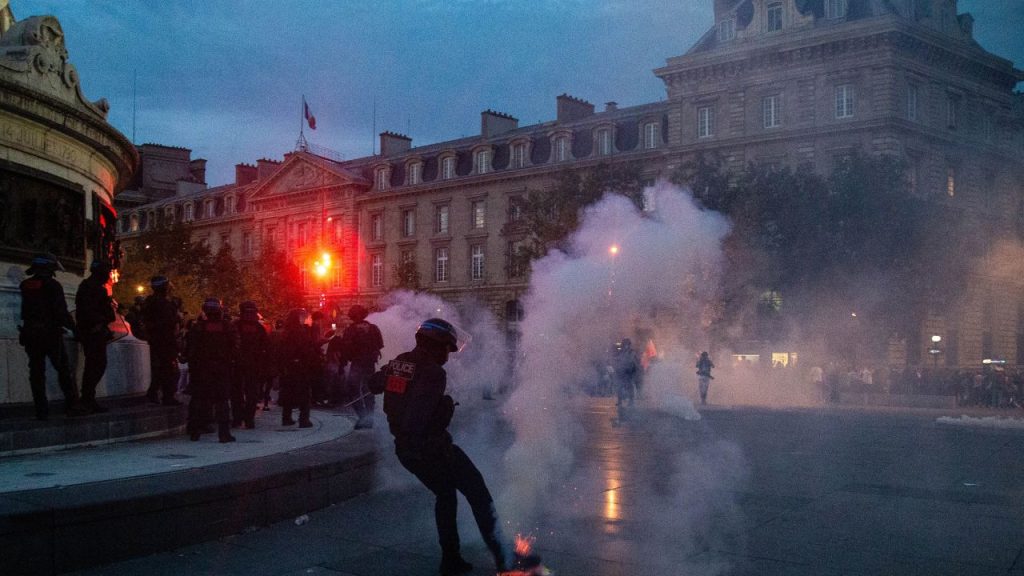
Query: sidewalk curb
{"type": "Point", "coordinates": [57, 530]}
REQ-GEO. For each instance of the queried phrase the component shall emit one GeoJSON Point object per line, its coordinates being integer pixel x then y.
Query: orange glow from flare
{"type": "Point", "coordinates": [614, 249]}
{"type": "Point", "coordinates": [523, 545]}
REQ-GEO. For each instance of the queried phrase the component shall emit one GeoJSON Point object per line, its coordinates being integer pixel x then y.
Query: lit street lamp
{"type": "Point", "coordinates": [935, 350]}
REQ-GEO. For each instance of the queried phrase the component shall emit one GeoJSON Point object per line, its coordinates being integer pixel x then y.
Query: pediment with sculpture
{"type": "Point", "coordinates": [301, 179]}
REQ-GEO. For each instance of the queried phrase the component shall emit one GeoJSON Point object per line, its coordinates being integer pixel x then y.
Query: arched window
{"type": "Point", "coordinates": [414, 173]}
{"type": "Point", "coordinates": [560, 148]}
{"type": "Point", "coordinates": [381, 178]}
{"type": "Point", "coordinates": [482, 160]}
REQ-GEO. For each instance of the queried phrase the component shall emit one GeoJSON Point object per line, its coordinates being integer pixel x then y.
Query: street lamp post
{"type": "Point", "coordinates": [935, 350]}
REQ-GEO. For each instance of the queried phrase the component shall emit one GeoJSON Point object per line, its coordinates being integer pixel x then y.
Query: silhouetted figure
{"type": "Point", "coordinates": [134, 318]}
{"type": "Point", "coordinates": [627, 370]}
{"type": "Point", "coordinates": [162, 321]}
{"type": "Point", "coordinates": [419, 411]}
{"type": "Point", "coordinates": [300, 365]}
{"type": "Point", "coordinates": [212, 348]}
{"type": "Point", "coordinates": [358, 347]}
{"type": "Point", "coordinates": [704, 377]}
{"type": "Point", "coordinates": [254, 345]}
{"type": "Point", "coordinates": [44, 316]}
{"type": "Point", "coordinates": [94, 311]}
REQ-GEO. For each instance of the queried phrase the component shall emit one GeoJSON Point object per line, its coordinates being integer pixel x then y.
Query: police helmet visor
{"type": "Point", "coordinates": [447, 332]}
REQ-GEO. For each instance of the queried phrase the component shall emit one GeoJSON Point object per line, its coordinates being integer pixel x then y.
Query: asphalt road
{"type": "Point", "coordinates": [741, 491]}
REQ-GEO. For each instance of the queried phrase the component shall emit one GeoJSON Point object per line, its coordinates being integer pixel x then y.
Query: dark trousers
{"type": "Point", "coordinates": [295, 393]}
{"type": "Point", "coordinates": [245, 393]}
{"type": "Point", "coordinates": [444, 476]}
{"type": "Point", "coordinates": [163, 368]}
{"type": "Point", "coordinates": [95, 352]}
{"type": "Point", "coordinates": [38, 352]}
{"type": "Point", "coordinates": [200, 409]}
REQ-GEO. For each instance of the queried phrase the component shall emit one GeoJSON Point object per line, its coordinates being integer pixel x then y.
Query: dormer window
{"type": "Point", "coordinates": [773, 17]}
{"type": "Point", "coordinates": [483, 161]}
{"type": "Point", "coordinates": [727, 30]}
{"type": "Point", "coordinates": [134, 223]}
{"type": "Point", "coordinates": [381, 178]}
{"type": "Point", "coordinates": [189, 214]}
{"type": "Point", "coordinates": [229, 205]}
{"type": "Point", "coordinates": [835, 9]}
{"type": "Point", "coordinates": [560, 148]}
{"type": "Point", "coordinates": [169, 214]}
{"type": "Point", "coordinates": [519, 155]}
{"type": "Point", "coordinates": [448, 168]}
{"type": "Point", "coordinates": [652, 133]}
{"type": "Point", "coordinates": [208, 209]}
{"type": "Point", "coordinates": [414, 173]}
{"type": "Point", "coordinates": [604, 141]}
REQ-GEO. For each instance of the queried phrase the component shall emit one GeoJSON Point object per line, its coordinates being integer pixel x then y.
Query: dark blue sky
{"type": "Point", "coordinates": [225, 77]}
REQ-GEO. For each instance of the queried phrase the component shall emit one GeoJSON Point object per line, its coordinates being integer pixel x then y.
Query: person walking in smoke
{"type": "Point", "coordinates": [627, 370]}
{"type": "Point", "coordinates": [44, 316]}
{"type": "Point", "coordinates": [359, 346]}
{"type": "Point", "coordinates": [704, 377]}
{"type": "Point", "coordinates": [162, 321]}
{"type": "Point", "coordinates": [94, 311]}
{"type": "Point", "coordinates": [212, 348]}
{"type": "Point", "coordinates": [419, 412]}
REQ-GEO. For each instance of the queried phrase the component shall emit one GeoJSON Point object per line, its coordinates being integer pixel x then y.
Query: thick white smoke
{"type": "Point", "coordinates": [628, 274]}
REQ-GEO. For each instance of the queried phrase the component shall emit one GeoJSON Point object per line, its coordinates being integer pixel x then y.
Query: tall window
{"type": "Point", "coordinates": [414, 173]}
{"type": "Point", "coordinates": [246, 243]}
{"type": "Point", "coordinates": [518, 155]}
{"type": "Point", "coordinates": [561, 148]}
{"type": "Point", "coordinates": [377, 227]}
{"type": "Point", "coordinates": [229, 205]}
{"type": "Point", "coordinates": [835, 8]}
{"type": "Point", "coordinates": [988, 131]}
{"type": "Point", "coordinates": [479, 213]}
{"type": "Point", "coordinates": [483, 161]}
{"type": "Point", "coordinates": [705, 121]}
{"type": "Point", "coordinates": [408, 223]}
{"type": "Point", "coordinates": [515, 209]}
{"type": "Point", "coordinates": [844, 101]}
{"type": "Point", "coordinates": [377, 270]}
{"type": "Point", "coordinates": [441, 264]}
{"type": "Point", "coordinates": [441, 219]}
{"type": "Point", "coordinates": [381, 178]}
{"type": "Point", "coordinates": [604, 141]}
{"type": "Point", "coordinates": [448, 168]}
{"type": "Point", "coordinates": [652, 133]}
{"type": "Point", "coordinates": [773, 17]}
{"type": "Point", "coordinates": [771, 111]}
{"type": "Point", "coordinates": [951, 181]}
{"type": "Point", "coordinates": [134, 223]}
{"type": "Point", "coordinates": [912, 91]}
{"type": "Point", "coordinates": [301, 234]}
{"type": "Point", "coordinates": [189, 216]}
{"type": "Point", "coordinates": [952, 111]}
{"type": "Point", "coordinates": [516, 260]}
{"type": "Point", "coordinates": [208, 209]}
{"type": "Point", "coordinates": [727, 30]}
{"type": "Point", "coordinates": [336, 277]}
{"type": "Point", "coordinates": [476, 262]}
{"type": "Point", "coordinates": [169, 214]}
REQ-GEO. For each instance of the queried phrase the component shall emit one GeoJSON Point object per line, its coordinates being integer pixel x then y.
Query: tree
{"type": "Point", "coordinates": [274, 282]}
{"type": "Point", "coordinates": [552, 215]}
{"type": "Point", "coordinates": [224, 279]}
{"type": "Point", "coordinates": [406, 276]}
{"type": "Point", "coordinates": [167, 251]}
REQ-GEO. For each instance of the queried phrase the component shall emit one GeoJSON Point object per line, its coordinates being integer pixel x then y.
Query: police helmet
{"type": "Point", "coordinates": [159, 282]}
{"type": "Point", "coordinates": [358, 313]}
{"type": "Point", "coordinates": [440, 331]}
{"type": "Point", "coordinates": [212, 306]}
{"type": "Point", "coordinates": [44, 263]}
{"type": "Point", "coordinates": [248, 306]}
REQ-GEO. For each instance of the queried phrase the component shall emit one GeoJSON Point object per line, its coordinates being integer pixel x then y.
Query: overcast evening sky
{"type": "Point", "coordinates": [225, 78]}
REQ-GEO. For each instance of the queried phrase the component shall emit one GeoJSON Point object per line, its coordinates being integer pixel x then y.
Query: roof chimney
{"type": "Point", "coordinates": [245, 174]}
{"type": "Point", "coordinates": [493, 123]}
{"type": "Point", "coordinates": [611, 106]}
{"type": "Point", "coordinates": [198, 169]}
{"type": "Point", "coordinates": [571, 108]}
{"type": "Point", "coordinates": [265, 167]}
{"type": "Point", "coordinates": [392, 143]}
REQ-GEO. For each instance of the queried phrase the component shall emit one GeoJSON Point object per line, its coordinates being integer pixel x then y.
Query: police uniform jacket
{"type": "Point", "coordinates": [160, 316]}
{"type": "Point", "coordinates": [359, 344]}
{"type": "Point", "coordinates": [43, 310]}
{"type": "Point", "coordinates": [93, 309]}
{"type": "Point", "coordinates": [254, 344]}
{"type": "Point", "coordinates": [416, 405]}
{"type": "Point", "coordinates": [212, 348]}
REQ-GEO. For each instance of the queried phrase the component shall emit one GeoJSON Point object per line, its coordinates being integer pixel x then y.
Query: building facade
{"type": "Point", "coordinates": [786, 82]}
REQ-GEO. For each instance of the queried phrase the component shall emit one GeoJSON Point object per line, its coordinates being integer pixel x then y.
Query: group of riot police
{"type": "Point", "coordinates": [227, 380]}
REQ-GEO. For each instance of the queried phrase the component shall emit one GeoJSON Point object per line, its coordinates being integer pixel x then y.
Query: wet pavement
{"type": "Point", "coordinates": [741, 491]}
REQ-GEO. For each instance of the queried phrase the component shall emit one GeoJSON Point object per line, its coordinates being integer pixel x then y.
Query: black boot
{"type": "Point", "coordinates": [454, 566]}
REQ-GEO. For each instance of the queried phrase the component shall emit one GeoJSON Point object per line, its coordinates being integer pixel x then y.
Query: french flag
{"type": "Point", "coordinates": [310, 119]}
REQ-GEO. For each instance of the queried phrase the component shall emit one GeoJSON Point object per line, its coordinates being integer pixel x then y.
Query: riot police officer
{"type": "Point", "coordinates": [162, 322]}
{"type": "Point", "coordinates": [44, 315]}
{"type": "Point", "coordinates": [704, 377]}
{"type": "Point", "coordinates": [212, 347]}
{"type": "Point", "coordinates": [359, 346]}
{"type": "Point", "coordinates": [300, 365]}
{"type": "Point", "coordinates": [94, 311]}
{"type": "Point", "coordinates": [419, 411]}
{"type": "Point", "coordinates": [254, 346]}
